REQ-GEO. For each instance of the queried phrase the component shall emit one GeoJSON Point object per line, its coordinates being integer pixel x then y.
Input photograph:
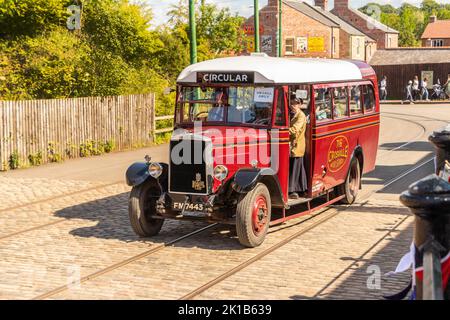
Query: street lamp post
{"type": "Point", "coordinates": [280, 2]}
{"type": "Point", "coordinates": [256, 16]}
{"type": "Point", "coordinates": [193, 31]}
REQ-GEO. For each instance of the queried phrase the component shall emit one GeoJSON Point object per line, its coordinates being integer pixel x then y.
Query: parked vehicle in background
{"type": "Point", "coordinates": [438, 93]}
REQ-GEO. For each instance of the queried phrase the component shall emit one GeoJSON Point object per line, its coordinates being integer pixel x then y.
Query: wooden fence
{"type": "Point", "coordinates": [41, 131]}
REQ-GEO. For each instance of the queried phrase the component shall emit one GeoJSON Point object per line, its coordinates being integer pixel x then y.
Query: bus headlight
{"type": "Point", "coordinates": [155, 170]}
{"type": "Point", "coordinates": [220, 172]}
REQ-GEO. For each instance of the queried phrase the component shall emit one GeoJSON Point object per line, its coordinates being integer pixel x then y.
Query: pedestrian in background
{"type": "Point", "coordinates": [383, 88]}
{"type": "Point", "coordinates": [409, 92]}
{"type": "Point", "coordinates": [415, 88]}
{"type": "Point", "coordinates": [425, 90]}
{"type": "Point", "coordinates": [446, 87]}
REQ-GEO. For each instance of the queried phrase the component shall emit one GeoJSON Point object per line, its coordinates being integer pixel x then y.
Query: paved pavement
{"type": "Point", "coordinates": [84, 230]}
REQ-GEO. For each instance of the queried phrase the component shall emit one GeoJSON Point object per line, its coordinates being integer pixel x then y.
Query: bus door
{"type": "Point", "coordinates": [279, 138]}
{"type": "Point", "coordinates": [303, 92]}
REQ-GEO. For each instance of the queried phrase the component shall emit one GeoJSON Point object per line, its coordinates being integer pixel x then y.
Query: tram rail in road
{"type": "Point", "coordinates": [47, 200]}
{"type": "Point", "coordinates": [317, 223]}
{"type": "Point", "coordinates": [322, 219]}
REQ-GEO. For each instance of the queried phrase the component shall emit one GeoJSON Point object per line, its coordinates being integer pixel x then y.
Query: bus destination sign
{"type": "Point", "coordinates": [225, 77]}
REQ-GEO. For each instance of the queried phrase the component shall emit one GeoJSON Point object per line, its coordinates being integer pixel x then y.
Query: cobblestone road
{"type": "Point", "coordinates": [84, 228]}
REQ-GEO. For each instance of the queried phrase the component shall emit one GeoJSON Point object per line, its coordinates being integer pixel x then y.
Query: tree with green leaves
{"type": "Point", "coordinates": [409, 20]}
{"type": "Point", "coordinates": [31, 17]}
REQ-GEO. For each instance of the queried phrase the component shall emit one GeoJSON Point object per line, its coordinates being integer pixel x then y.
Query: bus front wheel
{"type": "Point", "coordinates": [141, 206]}
{"type": "Point", "coordinates": [253, 215]}
{"type": "Point", "coordinates": [352, 183]}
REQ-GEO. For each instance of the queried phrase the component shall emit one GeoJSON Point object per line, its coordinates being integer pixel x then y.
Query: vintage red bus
{"type": "Point", "coordinates": [229, 153]}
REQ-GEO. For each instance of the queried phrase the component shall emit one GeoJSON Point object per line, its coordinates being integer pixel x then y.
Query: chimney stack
{"type": "Point", "coordinates": [273, 3]}
{"type": "Point", "coordinates": [433, 19]}
{"type": "Point", "coordinates": [341, 4]}
{"type": "Point", "coordinates": [322, 3]}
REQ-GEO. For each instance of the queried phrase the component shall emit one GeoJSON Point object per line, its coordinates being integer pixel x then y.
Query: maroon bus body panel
{"type": "Point", "coordinates": [335, 141]}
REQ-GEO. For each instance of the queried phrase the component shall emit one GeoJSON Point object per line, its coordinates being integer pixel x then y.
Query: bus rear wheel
{"type": "Point", "coordinates": [352, 183]}
{"type": "Point", "coordinates": [253, 214]}
{"type": "Point", "coordinates": [141, 206]}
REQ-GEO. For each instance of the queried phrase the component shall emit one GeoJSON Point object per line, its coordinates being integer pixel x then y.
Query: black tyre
{"type": "Point", "coordinates": [141, 206]}
{"type": "Point", "coordinates": [253, 215]}
{"type": "Point", "coordinates": [352, 183]}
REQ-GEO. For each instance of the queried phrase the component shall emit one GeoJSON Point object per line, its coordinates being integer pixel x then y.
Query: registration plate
{"type": "Point", "coordinates": [191, 207]}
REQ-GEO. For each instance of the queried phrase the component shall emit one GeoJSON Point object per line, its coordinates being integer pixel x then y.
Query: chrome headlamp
{"type": "Point", "coordinates": [220, 172]}
{"type": "Point", "coordinates": [155, 170]}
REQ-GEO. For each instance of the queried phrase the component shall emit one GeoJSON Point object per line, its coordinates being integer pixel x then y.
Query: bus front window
{"type": "Point", "coordinates": [237, 105]}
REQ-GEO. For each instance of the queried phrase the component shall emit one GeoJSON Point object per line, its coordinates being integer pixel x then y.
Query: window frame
{"type": "Point", "coordinates": [180, 109]}
{"type": "Point", "coordinates": [347, 116]}
{"type": "Point", "coordinates": [361, 102]}
{"type": "Point", "coordinates": [280, 90]}
{"type": "Point", "coordinates": [348, 85]}
{"type": "Point", "coordinates": [286, 52]}
{"type": "Point", "coordinates": [437, 43]}
{"type": "Point", "coordinates": [327, 120]}
{"type": "Point", "coordinates": [365, 111]}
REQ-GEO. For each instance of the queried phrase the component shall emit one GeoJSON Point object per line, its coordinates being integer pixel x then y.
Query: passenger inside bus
{"type": "Point", "coordinates": [297, 131]}
{"type": "Point", "coordinates": [217, 112]}
{"type": "Point", "coordinates": [323, 104]}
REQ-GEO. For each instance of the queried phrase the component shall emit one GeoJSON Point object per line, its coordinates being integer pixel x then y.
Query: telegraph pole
{"type": "Point", "coordinates": [256, 15]}
{"type": "Point", "coordinates": [280, 40]}
{"type": "Point", "coordinates": [193, 31]}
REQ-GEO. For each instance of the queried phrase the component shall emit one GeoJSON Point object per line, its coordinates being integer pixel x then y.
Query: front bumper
{"type": "Point", "coordinates": [191, 207]}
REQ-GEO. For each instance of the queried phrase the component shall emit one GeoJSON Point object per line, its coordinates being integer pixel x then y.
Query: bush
{"type": "Point", "coordinates": [14, 159]}
{"type": "Point", "coordinates": [35, 159]}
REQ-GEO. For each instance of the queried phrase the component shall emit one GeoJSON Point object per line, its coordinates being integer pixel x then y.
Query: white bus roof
{"type": "Point", "coordinates": [269, 70]}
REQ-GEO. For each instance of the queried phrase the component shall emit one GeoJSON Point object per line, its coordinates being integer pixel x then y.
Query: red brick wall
{"type": "Point", "coordinates": [344, 45]}
{"type": "Point", "coordinates": [296, 24]}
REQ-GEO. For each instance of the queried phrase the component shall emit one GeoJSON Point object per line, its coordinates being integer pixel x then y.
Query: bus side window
{"type": "Point", "coordinates": [323, 104]}
{"type": "Point", "coordinates": [280, 115]}
{"type": "Point", "coordinates": [340, 96]}
{"type": "Point", "coordinates": [369, 99]}
{"type": "Point", "coordinates": [355, 101]}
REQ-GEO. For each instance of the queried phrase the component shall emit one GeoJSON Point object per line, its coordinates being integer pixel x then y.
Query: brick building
{"type": "Point", "coordinates": [437, 33]}
{"type": "Point", "coordinates": [305, 33]}
{"type": "Point", "coordinates": [308, 31]}
{"type": "Point", "coordinates": [385, 36]}
{"type": "Point", "coordinates": [354, 44]}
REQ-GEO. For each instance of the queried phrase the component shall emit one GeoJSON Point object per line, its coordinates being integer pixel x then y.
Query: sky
{"type": "Point", "coordinates": [245, 7]}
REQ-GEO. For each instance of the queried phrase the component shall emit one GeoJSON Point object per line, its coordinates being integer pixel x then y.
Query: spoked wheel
{"type": "Point", "coordinates": [253, 215]}
{"type": "Point", "coordinates": [352, 183]}
{"type": "Point", "coordinates": [141, 206]}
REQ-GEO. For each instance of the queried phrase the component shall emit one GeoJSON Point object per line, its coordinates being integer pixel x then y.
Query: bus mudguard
{"type": "Point", "coordinates": [138, 173]}
{"type": "Point", "coordinates": [245, 180]}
